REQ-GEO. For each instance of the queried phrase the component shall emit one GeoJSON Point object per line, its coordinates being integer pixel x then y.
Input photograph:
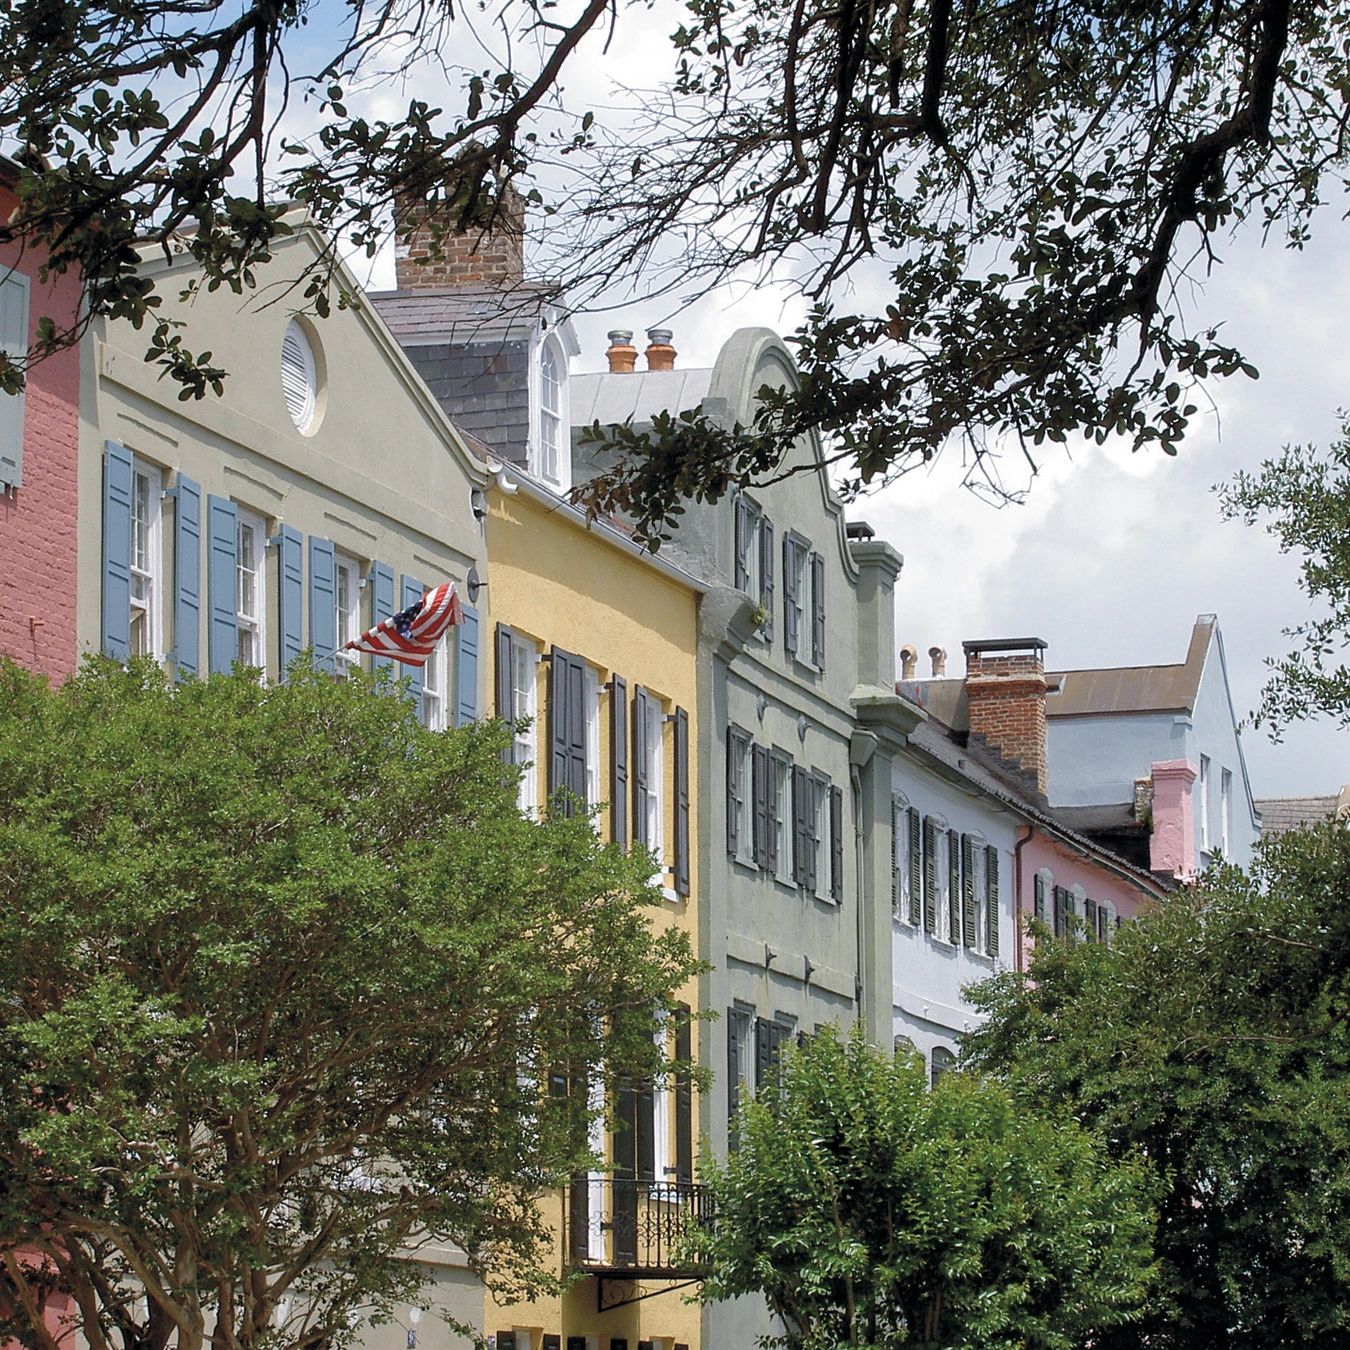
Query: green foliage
{"type": "Point", "coordinates": [871, 1212]}
{"type": "Point", "coordinates": [1303, 495]}
{"type": "Point", "coordinates": [1212, 1040]}
{"type": "Point", "coordinates": [282, 975]}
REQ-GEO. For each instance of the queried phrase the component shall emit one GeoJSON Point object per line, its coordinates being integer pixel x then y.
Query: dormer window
{"type": "Point", "coordinates": [552, 460]}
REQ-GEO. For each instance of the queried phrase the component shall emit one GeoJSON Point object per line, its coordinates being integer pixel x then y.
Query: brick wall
{"type": "Point", "coordinates": [38, 520]}
{"type": "Point", "coordinates": [424, 262]}
{"type": "Point", "coordinates": [1006, 699]}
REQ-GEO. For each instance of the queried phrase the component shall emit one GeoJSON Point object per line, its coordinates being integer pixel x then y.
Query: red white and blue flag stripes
{"type": "Point", "coordinates": [411, 635]}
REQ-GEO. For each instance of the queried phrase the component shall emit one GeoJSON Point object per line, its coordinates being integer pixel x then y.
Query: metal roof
{"type": "Point", "coordinates": [608, 398]}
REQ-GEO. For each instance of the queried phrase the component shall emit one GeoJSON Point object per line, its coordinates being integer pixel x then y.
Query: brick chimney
{"type": "Point", "coordinates": [660, 354]}
{"type": "Point", "coordinates": [426, 258]}
{"type": "Point", "coordinates": [1005, 692]}
{"type": "Point", "coordinates": [621, 352]}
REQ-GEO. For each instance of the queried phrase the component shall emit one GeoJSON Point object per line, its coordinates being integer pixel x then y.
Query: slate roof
{"type": "Point", "coordinates": [463, 315]}
{"type": "Point", "coordinates": [608, 398]}
{"type": "Point", "coordinates": [1279, 815]}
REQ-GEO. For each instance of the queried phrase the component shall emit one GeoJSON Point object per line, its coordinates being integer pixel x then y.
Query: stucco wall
{"type": "Point", "coordinates": [38, 535]}
{"type": "Point", "coordinates": [1094, 761]}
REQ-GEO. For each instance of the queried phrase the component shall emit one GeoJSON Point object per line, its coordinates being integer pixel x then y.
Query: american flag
{"type": "Point", "coordinates": [411, 635]}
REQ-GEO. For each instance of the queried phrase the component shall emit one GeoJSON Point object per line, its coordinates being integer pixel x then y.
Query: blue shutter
{"type": "Point", "coordinates": [382, 585]}
{"type": "Point", "coordinates": [413, 590]}
{"type": "Point", "coordinates": [187, 577]}
{"type": "Point", "coordinates": [291, 569]}
{"type": "Point", "coordinates": [466, 668]}
{"type": "Point", "coordinates": [322, 603]}
{"type": "Point", "coordinates": [117, 552]}
{"type": "Point", "coordinates": [222, 581]}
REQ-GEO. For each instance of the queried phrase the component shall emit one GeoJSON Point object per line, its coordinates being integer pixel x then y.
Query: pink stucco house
{"type": "Point", "coordinates": [39, 435]}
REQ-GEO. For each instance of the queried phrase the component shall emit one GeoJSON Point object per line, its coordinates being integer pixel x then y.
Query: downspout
{"type": "Point", "coordinates": [1018, 939]}
{"type": "Point", "coordinates": [855, 782]}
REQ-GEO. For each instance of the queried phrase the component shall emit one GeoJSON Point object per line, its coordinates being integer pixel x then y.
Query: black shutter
{"type": "Point", "coordinates": [789, 596]}
{"type": "Point", "coordinates": [763, 1051]}
{"type": "Point", "coordinates": [991, 907]}
{"type": "Point", "coordinates": [551, 1343]}
{"type": "Point", "coordinates": [915, 866]}
{"type": "Point", "coordinates": [1090, 919]}
{"type": "Point", "coordinates": [954, 886]}
{"type": "Point", "coordinates": [644, 1105]}
{"type": "Point", "coordinates": [681, 802]}
{"type": "Point", "coordinates": [818, 611]}
{"type": "Point", "coordinates": [1061, 898]}
{"type": "Point", "coordinates": [799, 807]}
{"type": "Point", "coordinates": [735, 790]}
{"type": "Point", "coordinates": [766, 567]}
{"type": "Point", "coordinates": [576, 729]}
{"type": "Point", "coordinates": [557, 725]}
{"type": "Point", "coordinates": [506, 1340]}
{"type": "Point", "coordinates": [684, 1099]}
{"type": "Point", "coordinates": [742, 544]}
{"type": "Point", "coordinates": [778, 771]}
{"type": "Point", "coordinates": [618, 760]}
{"type": "Point", "coordinates": [505, 677]}
{"type": "Point", "coordinates": [623, 1218]}
{"type": "Point", "coordinates": [1040, 898]}
{"type": "Point", "coordinates": [639, 770]}
{"type": "Point", "coordinates": [734, 1073]}
{"type": "Point", "coordinates": [837, 843]}
{"type": "Point", "coordinates": [897, 892]}
{"type": "Point", "coordinates": [967, 892]}
{"type": "Point", "coordinates": [579, 1216]}
{"type": "Point", "coordinates": [759, 795]}
{"type": "Point", "coordinates": [567, 729]}
{"type": "Point", "coordinates": [930, 876]}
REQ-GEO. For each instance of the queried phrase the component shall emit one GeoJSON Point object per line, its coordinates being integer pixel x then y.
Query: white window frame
{"type": "Point", "coordinates": [595, 1178]}
{"type": "Point", "coordinates": [525, 704]}
{"type": "Point", "coordinates": [347, 573]}
{"type": "Point", "coordinates": [663, 1154]}
{"type": "Point", "coordinates": [1204, 803]}
{"type": "Point", "coordinates": [594, 689]}
{"type": "Point", "coordinates": [950, 1063]}
{"type": "Point", "coordinates": [753, 577]}
{"type": "Point", "coordinates": [1106, 922]}
{"type": "Point", "coordinates": [1226, 812]}
{"type": "Point", "coordinates": [251, 626]}
{"type": "Point", "coordinates": [902, 876]}
{"type": "Point", "coordinates": [780, 789]}
{"type": "Point", "coordinates": [741, 745]}
{"type": "Point", "coordinates": [551, 463]}
{"type": "Point", "coordinates": [1075, 922]}
{"type": "Point", "coordinates": [979, 859]}
{"type": "Point", "coordinates": [147, 566]}
{"type": "Point", "coordinates": [942, 914]}
{"type": "Point", "coordinates": [823, 843]}
{"type": "Point", "coordinates": [800, 549]}
{"type": "Point", "coordinates": [304, 416]}
{"type": "Point", "coordinates": [655, 804]}
{"type": "Point", "coordinates": [435, 687]}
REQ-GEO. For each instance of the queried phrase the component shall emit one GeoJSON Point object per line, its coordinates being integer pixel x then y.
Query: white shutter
{"type": "Point", "coordinates": [297, 375]}
{"type": "Point", "coordinates": [14, 343]}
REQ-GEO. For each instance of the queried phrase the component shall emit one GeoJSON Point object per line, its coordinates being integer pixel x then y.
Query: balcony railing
{"type": "Point", "coordinates": [635, 1229]}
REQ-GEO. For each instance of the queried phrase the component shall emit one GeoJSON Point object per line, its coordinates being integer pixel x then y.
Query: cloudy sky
{"type": "Point", "coordinates": [1112, 555]}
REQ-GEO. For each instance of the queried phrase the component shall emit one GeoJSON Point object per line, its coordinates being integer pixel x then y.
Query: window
{"type": "Point", "coordinates": [822, 833]}
{"type": "Point", "coordinates": [13, 344]}
{"type": "Point", "coordinates": [1206, 832]}
{"type": "Point", "coordinates": [145, 560]}
{"type": "Point", "coordinates": [663, 1164]}
{"type": "Point", "coordinates": [740, 845]}
{"type": "Point", "coordinates": [524, 659]}
{"type": "Point", "coordinates": [250, 588]}
{"type": "Point", "coordinates": [347, 602]}
{"type": "Point", "coordinates": [651, 805]}
{"type": "Point", "coordinates": [754, 559]}
{"type": "Point", "coordinates": [1104, 922]}
{"type": "Point", "coordinates": [739, 1050]}
{"type": "Point", "coordinates": [975, 858]}
{"type": "Point", "coordinates": [299, 376]}
{"type": "Point", "coordinates": [552, 463]}
{"type": "Point", "coordinates": [594, 792]}
{"type": "Point", "coordinates": [780, 855]}
{"type": "Point", "coordinates": [434, 686]}
{"type": "Point", "coordinates": [818, 611]}
{"type": "Point", "coordinates": [938, 897]}
{"type": "Point", "coordinates": [1226, 812]}
{"type": "Point", "coordinates": [903, 904]}
{"type": "Point", "coordinates": [771, 1035]}
{"type": "Point", "coordinates": [944, 1062]}
{"type": "Point", "coordinates": [795, 553]}
{"type": "Point", "coordinates": [808, 828]}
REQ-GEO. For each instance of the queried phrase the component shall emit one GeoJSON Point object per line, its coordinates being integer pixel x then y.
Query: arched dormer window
{"type": "Point", "coordinates": [553, 457]}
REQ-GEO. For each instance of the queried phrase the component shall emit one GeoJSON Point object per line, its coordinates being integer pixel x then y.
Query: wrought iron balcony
{"type": "Point", "coordinates": [634, 1230]}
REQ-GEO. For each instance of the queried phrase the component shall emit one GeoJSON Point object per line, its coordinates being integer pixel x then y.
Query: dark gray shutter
{"type": "Point", "coordinates": [640, 767]}
{"type": "Point", "coordinates": [117, 486]}
{"type": "Point", "coordinates": [837, 843]}
{"type": "Point", "coordinates": [967, 892]}
{"type": "Point", "coordinates": [897, 824]}
{"type": "Point", "coordinates": [1090, 919]}
{"type": "Point", "coordinates": [779, 772]}
{"type": "Point", "coordinates": [798, 829]}
{"type": "Point", "coordinates": [766, 569]}
{"type": "Point", "coordinates": [760, 769]}
{"type": "Point", "coordinates": [618, 760]}
{"type": "Point", "coordinates": [735, 791]}
{"type": "Point", "coordinates": [567, 730]}
{"type": "Point", "coordinates": [991, 907]}
{"type": "Point", "coordinates": [506, 1340]}
{"type": "Point", "coordinates": [681, 802]}
{"type": "Point", "coordinates": [915, 866]}
{"type": "Point", "coordinates": [734, 1072]}
{"type": "Point", "coordinates": [814, 794]}
{"type": "Point", "coordinates": [763, 1052]}
{"type": "Point", "coordinates": [644, 1105]}
{"type": "Point", "coordinates": [1061, 898]}
{"type": "Point", "coordinates": [1040, 898]}
{"type": "Point", "coordinates": [623, 1217]}
{"type": "Point", "coordinates": [930, 876]}
{"type": "Point", "coordinates": [187, 576]}
{"type": "Point", "coordinates": [790, 602]}
{"type": "Point", "coordinates": [818, 611]}
{"type": "Point", "coordinates": [953, 886]}
{"type": "Point", "coordinates": [504, 681]}
{"type": "Point", "coordinates": [222, 582]}
{"type": "Point", "coordinates": [742, 568]}
{"type": "Point", "coordinates": [684, 1099]}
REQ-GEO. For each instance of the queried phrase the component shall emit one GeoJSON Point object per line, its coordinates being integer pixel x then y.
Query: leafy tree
{"type": "Point", "coordinates": [281, 974]}
{"type": "Point", "coordinates": [1212, 1039]}
{"type": "Point", "coordinates": [1023, 188]}
{"type": "Point", "coordinates": [1303, 495]}
{"type": "Point", "coordinates": [870, 1212]}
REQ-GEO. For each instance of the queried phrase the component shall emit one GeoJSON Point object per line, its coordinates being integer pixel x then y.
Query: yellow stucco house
{"type": "Point", "coordinates": [594, 640]}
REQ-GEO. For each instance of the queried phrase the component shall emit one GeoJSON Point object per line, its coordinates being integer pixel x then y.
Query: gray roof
{"type": "Point", "coordinates": [1080, 693]}
{"type": "Point", "coordinates": [463, 315]}
{"type": "Point", "coordinates": [608, 398]}
{"type": "Point", "coordinates": [1279, 815]}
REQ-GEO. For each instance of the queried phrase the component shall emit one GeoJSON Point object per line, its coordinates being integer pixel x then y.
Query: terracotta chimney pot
{"type": "Point", "coordinates": [660, 354]}
{"type": "Point", "coordinates": [621, 352]}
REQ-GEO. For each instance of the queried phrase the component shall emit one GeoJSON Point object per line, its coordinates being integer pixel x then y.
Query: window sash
{"type": "Point", "coordinates": [654, 803]}
{"type": "Point", "coordinates": [249, 569]}
{"type": "Point", "coordinates": [145, 560]}
{"type": "Point", "coordinates": [524, 660]}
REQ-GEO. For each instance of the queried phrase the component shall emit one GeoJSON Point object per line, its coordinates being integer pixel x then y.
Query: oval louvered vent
{"type": "Point", "coordinates": [297, 376]}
